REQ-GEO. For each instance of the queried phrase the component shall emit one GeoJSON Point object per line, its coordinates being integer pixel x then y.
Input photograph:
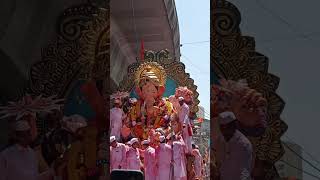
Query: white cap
{"type": "Point", "coordinates": [162, 138]}
{"type": "Point", "coordinates": [134, 140]}
{"type": "Point", "coordinates": [145, 142]}
{"type": "Point", "coordinates": [112, 138]}
{"type": "Point", "coordinates": [226, 117]}
{"type": "Point", "coordinates": [129, 143]}
{"type": "Point", "coordinates": [22, 126]}
{"type": "Point", "coordinates": [180, 98]}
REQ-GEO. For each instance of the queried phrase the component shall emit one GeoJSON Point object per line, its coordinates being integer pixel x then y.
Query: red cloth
{"type": "Point", "coordinates": [190, 132]}
{"type": "Point", "coordinates": [142, 51]}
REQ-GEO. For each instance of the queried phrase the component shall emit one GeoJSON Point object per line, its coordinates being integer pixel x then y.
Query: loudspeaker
{"type": "Point", "coordinates": [126, 175]}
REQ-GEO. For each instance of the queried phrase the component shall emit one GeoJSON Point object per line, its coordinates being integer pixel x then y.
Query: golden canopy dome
{"type": "Point", "coordinates": [150, 72]}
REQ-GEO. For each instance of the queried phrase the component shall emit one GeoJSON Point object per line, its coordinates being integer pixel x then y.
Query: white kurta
{"type": "Point", "coordinates": [17, 163]}
{"type": "Point", "coordinates": [163, 159]}
{"type": "Point", "coordinates": [197, 162]}
{"type": "Point", "coordinates": [237, 164]}
{"type": "Point", "coordinates": [116, 116]}
{"type": "Point", "coordinates": [184, 120]}
{"type": "Point", "coordinates": [133, 159]}
{"type": "Point", "coordinates": [118, 156]}
{"type": "Point", "coordinates": [149, 164]}
{"type": "Point", "coordinates": [179, 160]}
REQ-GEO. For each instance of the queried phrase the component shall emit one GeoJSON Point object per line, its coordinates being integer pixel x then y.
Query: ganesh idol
{"type": "Point", "coordinates": [150, 111]}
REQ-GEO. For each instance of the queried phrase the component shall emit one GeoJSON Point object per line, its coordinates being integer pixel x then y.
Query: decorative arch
{"type": "Point", "coordinates": [234, 57]}
{"type": "Point", "coordinates": [80, 52]}
{"type": "Point", "coordinates": [174, 69]}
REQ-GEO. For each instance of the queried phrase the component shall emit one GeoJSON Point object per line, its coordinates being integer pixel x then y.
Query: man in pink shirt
{"type": "Point", "coordinates": [163, 156]}
{"type": "Point", "coordinates": [117, 154]}
{"type": "Point", "coordinates": [133, 156]}
{"type": "Point", "coordinates": [149, 161]}
{"type": "Point", "coordinates": [197, 161]}
{"type": "Point", "coordinates": [186, 125]}
{"type": "Point", "coordinates": [179, 158]}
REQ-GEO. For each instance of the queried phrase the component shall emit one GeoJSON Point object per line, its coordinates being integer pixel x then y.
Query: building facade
{"type": "Point", "coordinates": [153, 22]}
{"type": "Point", "coordinates": [202, 135]}
{"type": "Point", "coordinates": [201, 112]}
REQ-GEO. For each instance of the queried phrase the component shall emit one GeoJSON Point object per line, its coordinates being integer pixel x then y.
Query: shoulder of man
{"type": "Point", "coordinates": [244, 142]}
{"type": "Point", "coordinates": [151, 149]}
{"type": "Point", "coordinates": [121, 145]}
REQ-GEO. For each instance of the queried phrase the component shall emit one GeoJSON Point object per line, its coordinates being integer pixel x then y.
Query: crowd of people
{"type": "Point", "coordinates": [163, 150]}
{"type": "Point", "coordinates": [238, 112]}
{"type": "Point", "coordinates": [150, 133]}
{"type": "Point", "coordinates": [62, 151]}
{"type": "Point", "coordinates": [159, 149]}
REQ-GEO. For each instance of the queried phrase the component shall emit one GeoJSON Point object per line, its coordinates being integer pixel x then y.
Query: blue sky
{"type": "Point", "coordinates": [194, 24]}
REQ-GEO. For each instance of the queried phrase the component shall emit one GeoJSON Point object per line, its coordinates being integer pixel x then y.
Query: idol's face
{"type": "Point", "coordinates": [149, 91]}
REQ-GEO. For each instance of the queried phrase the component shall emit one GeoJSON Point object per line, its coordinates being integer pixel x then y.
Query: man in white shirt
{"type": "Point", "coordinates": [116, 119]}
{"type": "Point", "coordinates": [117, 154]}
{"type": "Point", "coordinates": [179, 159]}
{"type": "Point", "coordinates": [164, 158]}
{"type": "Point", "coordinates": [186, 125]}
{"type": "Point", "coordinates": [19, 161]}
{"type": "Point", "coordinates": [149, 161]}
{"type": "Point", "coordinates": [133, 156]}
{"type": "Point", "coordinates": [236, 160]}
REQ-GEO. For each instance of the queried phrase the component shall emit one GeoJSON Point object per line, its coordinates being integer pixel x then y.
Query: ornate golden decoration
{"type": "Point", "coordinates": [81, 51]}
{"type": "Point", "coordinates": [173, 69]}
{"type": "Point", "coordinates": [233, 56]}
{"type": "Point", "coordinates": [95, 47]}
{"type": "Point", "coordinates": [151, 71]}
